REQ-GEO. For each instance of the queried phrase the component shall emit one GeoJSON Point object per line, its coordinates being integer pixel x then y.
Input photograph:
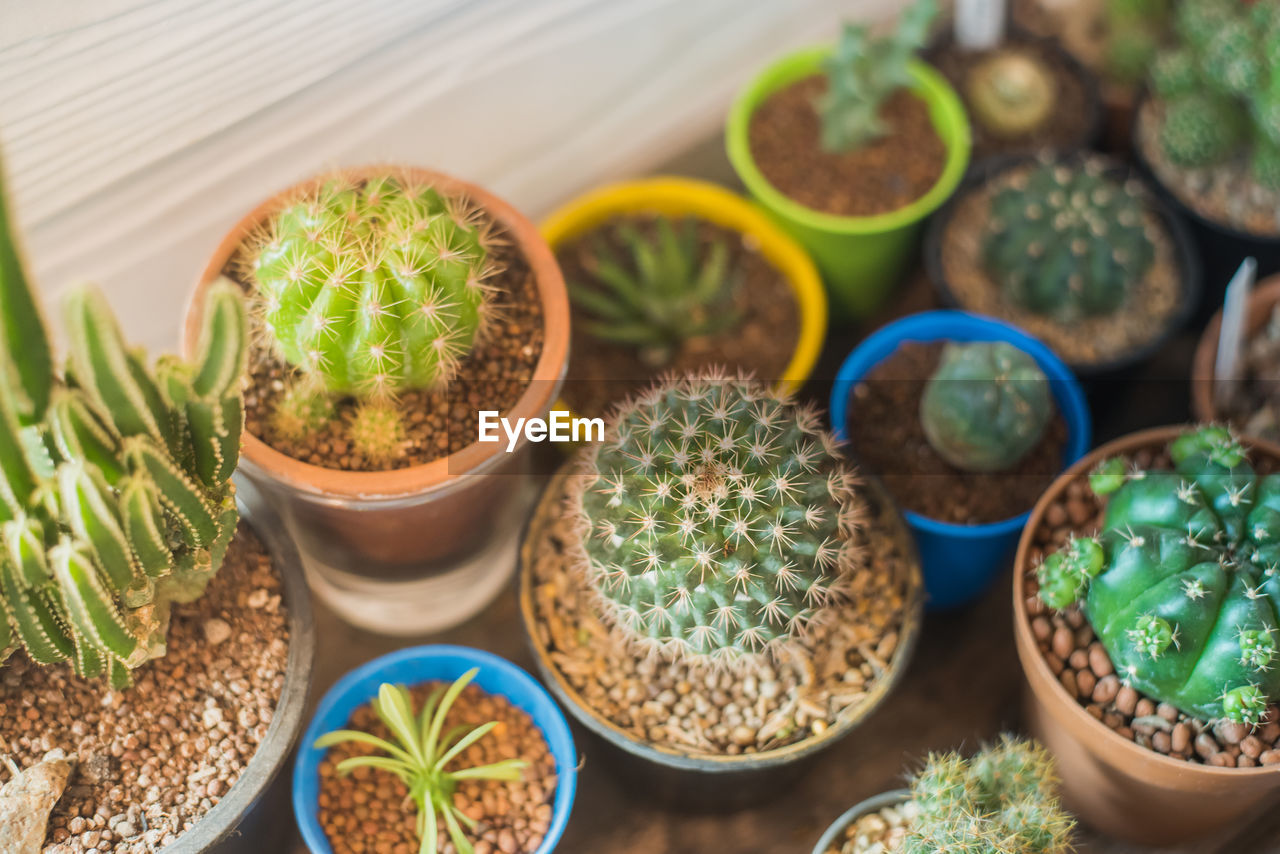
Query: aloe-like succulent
{"type": "Point", "coordinates": [667, 290]}
{"type": "Point", "coordinates": [1011, 93]}
{"type": "Point", "coordinates": [715, 519]}
{"type": "Point", "coordinates": [986, 406]}
{"type": "Point", "coordinates": [1182, 583]}
{"type": "Point", "coordinates": [863, 72]}
{"type": "Point", "coordinates": [421, 757]}
{"type": "Point", "coordinates": [115, 492]}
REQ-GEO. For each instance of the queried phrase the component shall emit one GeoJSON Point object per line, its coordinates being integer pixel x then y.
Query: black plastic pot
{"type": "Point", "coordinates": [702, 782]}
{"type": "Point", "coordinates": [248, 819]}
{"type": "Point", "coordinates": [831, 835]}
{"type": "Point", "coordinates": [1221, 247]}
{"type": "Point", "coordinates": [1180, 237]}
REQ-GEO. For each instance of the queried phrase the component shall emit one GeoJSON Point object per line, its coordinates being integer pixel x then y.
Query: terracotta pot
{"type": "Point", "coordinates": [1119, 787]}
{"type": "Point", "coordinates": [1262, 300]}
{"type": "Point", "coordinates": [359, 530]}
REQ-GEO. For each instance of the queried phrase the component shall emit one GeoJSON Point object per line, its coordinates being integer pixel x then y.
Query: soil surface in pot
{"type": "Point", "coordinates": [1225, 194]}
{"type": "Point", "coordinates": [883, 176]}
{"type": "Point", "coordinates": [877, 832]}
{"type": "Point", "coordinates": [695, 708]}
{"type": "Point", "coordinates": [154, 758]}
{"type": "Point", "coordinates": [440, 421]}
{"type": "Point", "coordinates": [1066, 127]}
{"type": "Point", "coordinates": [1253, 403]}
{"type": "Point", "coordinates": [761, 342]}
{"type": "Point", "coordinates": [888, 440]}
{"type": "Point", "coordinates": [1082, 665]}
{"type": "Point", "coordinates": [1151, 307]}
{"type": "Point", "coordinates": [367, 812]}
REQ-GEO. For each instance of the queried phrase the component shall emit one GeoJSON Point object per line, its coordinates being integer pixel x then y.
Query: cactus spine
{"type": "Point", "coordinates": [115, 491]}
{"type": "Point", "coordinates": [1182, 584]}
{"type": "Point", "coordinates": [715, 520]}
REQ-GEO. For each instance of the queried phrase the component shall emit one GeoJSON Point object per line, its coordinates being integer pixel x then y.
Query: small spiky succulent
{"type": "Point", "coordinates": [863, 72]}
{"type": "Point", "coordinates": [715, 520]}
{"type": "Point", "coordinates": [1011, 93]}
{"type": "Point", "coordinates": [666, 292]}
{"type": "Point", "coordinates": [369, 287]}
{"type": "Point", "coordinates": [1134, 32]}
{"type": "Point", "coordinates": [1001, 801]}
{"type": "Point", "coordinates": [986, 406]}
{"type": "Point", "coordinates": [1067, 240]}
{"type": "Point", "coordinates": [115, 491]}
{"type": "Point", "coordinates": [1182, 584]}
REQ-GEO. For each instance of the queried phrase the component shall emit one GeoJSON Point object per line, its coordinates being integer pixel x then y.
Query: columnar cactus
{"type": "Point", "coordinates": [1182, 584]}
{"type": "Point", "coordinates": [715, 519]}
{"type": "Point", "coordinates": [369, 287]}
{"type": "Point", "coordinates": [986, 406]}
{"type": "Point", "coordinates": [1001, 801]}
{"type": "Point", "coordinates": [115, 491]}
{"type": "Point", "coordinates": [1068, 241]}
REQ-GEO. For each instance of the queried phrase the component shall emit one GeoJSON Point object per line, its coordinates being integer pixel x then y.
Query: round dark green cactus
{"type": "Point", "coordinates": [1068, 240]}
{"type": "Point", "coordinates": [986, 406]}
{"type": "Point", "coordinates": [1182, 583]}
{"type": "Point", "coordinates": [715, 519]}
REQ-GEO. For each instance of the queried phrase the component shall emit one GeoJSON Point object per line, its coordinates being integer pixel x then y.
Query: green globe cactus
{"type": "Point", "coordinates": [115, 491]}
{"type": "Point", "coordinates": [1182, 583]}
{"type": "Point", "coordinates": [715, 519]}
{"type": "Point", "coordinates": [986, 406]}
{"type": "Point", "coordinates": [1001, 801]}
{"type": "Point", "coordinates": [1068, 241]}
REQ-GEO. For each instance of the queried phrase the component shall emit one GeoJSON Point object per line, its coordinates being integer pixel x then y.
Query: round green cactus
{"type": "Point", "coordinates": [715, 519]}
{"type": "Point", "coordinates": [1011, 93]}
{"type": "Point", "coordinates": [1182, 584]}
{"type": "Point", "coordinates": [1068, 240]}
{"type": "Point", "coordinates": [1201, 129]}
{"type": "Point", "coordinates": [986, 406]}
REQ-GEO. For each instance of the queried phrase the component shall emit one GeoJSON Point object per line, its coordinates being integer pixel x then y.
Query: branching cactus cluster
{"type": "Point", "coordinates": [715, 521]}
{"type": "Point", "coordinates": [986, 406]}
{"type": "Point", "coordinates": [1220, 86]}
{"type": "Point", "coordinates": [1001, 801]}
{"type": "Point", "coordinates": [369, 288]}
{"type": "Point", "coordinates": [1182, 584]}
{"type": "Point", "coordinates": [1067, 240]}
{"type": "Point", "coordinates": [115, 491]}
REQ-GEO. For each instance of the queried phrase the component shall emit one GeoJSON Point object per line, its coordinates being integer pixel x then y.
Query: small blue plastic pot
{"type": "Point", "coordinates": [960, 561]}
{"type": "Point", "coordinates": [414, 666]}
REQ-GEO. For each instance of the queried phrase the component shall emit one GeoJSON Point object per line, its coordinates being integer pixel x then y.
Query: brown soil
{"type": "Point", "coordinates": [883, 176]}
{"type": "Point", "coordinates": [154, 758]}
{"type": "Point", "coordinates": [1152, 304]}
{"type": "Point", "coordinates": [762, 342]}
{"type": "Point", "coordinates": [1082, 665]}
{"type": "Point", "coordinates": [1068, 126]}
{"type": "Point", "coordinates": [888, 440]}
{"type": "Point", "coordinates": [438, 422]}
{"type": "Point", "coordinates": [367, 812]}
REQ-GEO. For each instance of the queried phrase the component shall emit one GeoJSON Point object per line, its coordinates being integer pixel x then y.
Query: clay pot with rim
{"type": "Point", "coordinates": [1116, 785]}
{"type": "Point", "coordinates": [421, 548]}
{"type": "Point", "coordinates": [1262, 299]}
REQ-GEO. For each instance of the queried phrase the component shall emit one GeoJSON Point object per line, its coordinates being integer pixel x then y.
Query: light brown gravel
{"type": "Point", "coordinates": [153, 759]}
{"type": "Point", "coordinates": [879, 832]}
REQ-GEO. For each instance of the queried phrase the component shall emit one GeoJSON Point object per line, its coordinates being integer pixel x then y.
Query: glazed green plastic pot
{"type": "Point", "coordinates": [860, 257]}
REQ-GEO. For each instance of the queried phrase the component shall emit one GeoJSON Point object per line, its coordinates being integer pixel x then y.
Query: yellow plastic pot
{"type": "Point", "coordinates": [676, 197]}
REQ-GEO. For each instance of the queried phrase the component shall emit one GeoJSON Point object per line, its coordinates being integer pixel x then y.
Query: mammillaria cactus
{"type": "Point", "coordinates": [369, 287]}
{"type": "Point", "coordinates": [986, 406]}
{"type": "Point", "coordinates": [715, 519]}
{"type": "Point", "coordinates": [1001, 801]}
{"type": "Point", "coordinates": [1182, 583]}
{"type": "Point", "coordinates": [668, 291]}
{"type": "Point", "coordinates": [115, 491]}
{"type": "Point", "coordinates": [1011, 93]}
{"type": "Point", "coordinates": [1068, 240]}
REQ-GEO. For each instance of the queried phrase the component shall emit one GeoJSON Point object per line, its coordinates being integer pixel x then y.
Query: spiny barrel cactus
{"type": "Point", "coordinates": [1001, 801]}
{"type": "Point", "coordinates": [1182, 583]}
{"type": "Point", "coordinates": [1011, 93]}
{"type": "Point", "coordinates": [115, 490]}
{"type": "Point", "coordinates": [668, 291]}
{"type": "Point", "coordinates": [1067, 240]}
{"type": "Point", "coordinates": [986, 406]}
{"type": "Point", "coordinates": [715, 519]}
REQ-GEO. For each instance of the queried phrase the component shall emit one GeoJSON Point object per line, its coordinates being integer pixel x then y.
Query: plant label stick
{"type": "Point", "coordinates": [979, 24]}
{"type": "Point", "coordinates": [1231, 339]}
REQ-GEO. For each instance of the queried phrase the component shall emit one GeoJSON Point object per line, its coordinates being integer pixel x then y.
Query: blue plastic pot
{"type": "Point", "coordinates": [960, 561]}
{"type": "Point", "coordinates": [431, 664]}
